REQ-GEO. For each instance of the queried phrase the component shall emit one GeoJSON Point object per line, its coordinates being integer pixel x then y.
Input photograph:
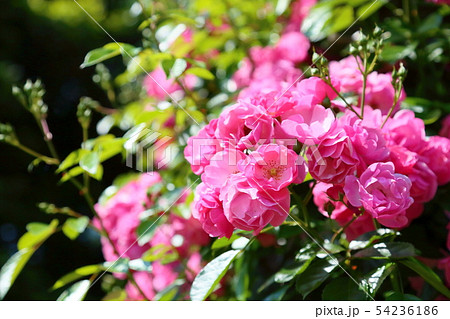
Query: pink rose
{"type": "Point", "coordinates": [309, 123]}
{"type": "Point", "coordinates": [244, 125]}
{"type": "Point", "coordinates": [333, 158]}
{"type": "Point", "coordinates": [406, 130]}
{"type": "Point", "coordinates": [424, 183]}
{"type": "Point", "coordinates": [222, 165]}
{"type": "Point", "coordinates": [327, 204]}
{"type": "Point", "coordinates": [292, 46]}
{"type": "Point", "coordinates": [346, 71]}
{"type": "Point", "coordinates": [300, 9]}
{"type": "Point", "coordinates": [273, 167]}
{"type": "Point", "coordinates": [208, 210]}
{"type": "Point", "coordinates": [341, 212]}
{"type": "Point", "coordinates": [380, 92]}
{"type": "Point", "coordinates": [445, 130]}
{"type": "Point", "coordinates": [436, 155]}
{"type": "Point", "coordinates": [159, 86]}
{"type": "Point", "coordinates": [120, 217]}
{"type": "Point", "coordinates": [382, 193]}
{"type": "Point", "coordinates": [403, 159]}
{"type": "Point", "coordinates": [202, 147]}
{"type": "Point", "coordinates": [369, 142]}
{"type": "Point", "coordinates": [250, 208]}
{"type": "Point", "coordinates": [361, 225]}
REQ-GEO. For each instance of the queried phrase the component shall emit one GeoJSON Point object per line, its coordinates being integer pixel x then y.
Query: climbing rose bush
{"type": "Point", "coordinates": [258, 155]}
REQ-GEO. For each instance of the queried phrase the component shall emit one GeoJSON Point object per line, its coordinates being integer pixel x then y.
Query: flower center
{"type": "Point", "coordinates": [273, 170]}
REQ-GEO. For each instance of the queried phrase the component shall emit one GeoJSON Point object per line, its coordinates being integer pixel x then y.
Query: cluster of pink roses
{"type": "Point", "coordinates": [121, 217]}
{"type": "Point", "coordinates": [366, 166]}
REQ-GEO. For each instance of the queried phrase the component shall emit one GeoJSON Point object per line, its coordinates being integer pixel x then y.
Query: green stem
{"type": "Point", "coordinates": [343, 228]}
{"type": "Point", "coordinates": [364, 73]}
{"type": "Point", "coordinates": [348, 105]}
{"type": "Point", "coordinates": [46, 159]}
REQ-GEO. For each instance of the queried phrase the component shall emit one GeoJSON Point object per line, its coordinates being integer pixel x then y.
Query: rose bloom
{"type": "Point", "coordinates": [292, 46]}
{"type": "Point", "coordinates": [208, 210]}
{"type": "Point", "coordinates": [120, 217]}
{"type": "Point", "coordinates": [404, 129]}
{"type": "Point", "coordinates": [202, 147]}
{"type": "Point", "coordinates": [179, 235]}
{"type": "Point", "coordinates": [309, 123]}
{"type": "Point", "coordinates": [273, 167]}
{"type": "Point", "coordinates": [244, 125]}
{"type": "Point", "coordinates": [382, 193]}
{"type": "Point", "coordinates": [300, 9]}
{"type": "Point", "coordinates": [333, 159]}
{"type": "Point", "coordinates": [250, 208]}
{"type": "Point", "coordinates": [403, 159]}
{"type": "Point", "coordinates": [159, 86]}
{"type": "Point", "coordinates": [424, 183]}
{"type": "Point", "coordinates": [323, 198]}
{"type": "Point", "coordinates": [436, 155]}
{"type": "Point", "coordinates": [368, 141]}
{"type": "Point", "coordinates": [222, 165]}
{"type": "Point", "coordinates": [347, 73]}
{"type": "Point", "coordinates": [445, 130]}
{"type": "Point", "coordinates": [380, 92]}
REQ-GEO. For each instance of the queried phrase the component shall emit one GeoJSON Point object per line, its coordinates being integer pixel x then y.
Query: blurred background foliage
{"type": "Point", "coordinates": [49, 39]}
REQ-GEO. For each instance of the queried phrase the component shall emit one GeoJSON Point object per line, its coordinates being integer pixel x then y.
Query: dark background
{"type": "Point", "coordinates": [42, 42]}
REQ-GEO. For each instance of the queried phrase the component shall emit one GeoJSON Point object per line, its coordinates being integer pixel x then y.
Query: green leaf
{"type": "Point", "coordinates": [76, 292]}
{"type": "Point", "coordinates": [178, 68]}
{"type": "Point", "coordinates": [163, 253]}
{"type": "Point", "coordinates": [37, 233]}
{"type": "Point", "coordinates": [147, 228]}
{"type": "Point", "coordinates": [224, 242]}
{"type": "Point", "coordinates": [72, 159]}
{"type": "Point", "coordinates": [277, 295]}
{"type": "Point", "coordinates": [315, 275]}
{"type": "Point", "coordinates": [426, 273]}
{"type": "Point", "coordinates": [77, 274]}
{"type": "Point", "coordinates": [282, 5]}
{"type": "Point", "coordinates": [343, 288]}
{"type": "Point", "coordinates": [369, 8]}
{"type": "Point", "coordinates": [342, 18]}
{"type": "Point", "coordinates": [432, 22]}
{"type": "Point", "coordinates": [140, 265]}
{"type": "Point", "coordinates": [108, 51]}
{"type": "Point", "coordinates": [12, 268]}
{"type": "Point", "coordinates": [169, 293]}
{"type": "Point", "coordinates": [210, 275]}
{"type": "Point", "coordinates": [398, 296]}
{"type": "Point", "coordinates": [387, 250]}
{"type": "Point", "coordinates": [373, 281]}
{"type": "Point", "coordinates": [201, 73]}
{"type": "Point", "coordinates": [369, 238]}
{"type": "Point", "coordinates": [120, 265]}
{"type": "Point", "coordinates": [73, 227]}
{"type": "Point", "coordinates": [90, 162]}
